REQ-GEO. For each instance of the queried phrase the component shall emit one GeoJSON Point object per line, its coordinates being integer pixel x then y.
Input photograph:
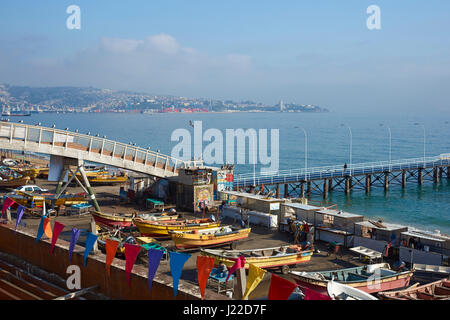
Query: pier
{"type": "Point", "coordinates": [362, 176]}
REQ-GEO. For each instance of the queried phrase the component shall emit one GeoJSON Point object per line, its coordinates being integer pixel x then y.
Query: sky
{"type": "Point", "coordinates": [307, 52]}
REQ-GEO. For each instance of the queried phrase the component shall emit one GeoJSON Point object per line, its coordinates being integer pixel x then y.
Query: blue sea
{"type": "Point", "coordinates": [328, 143]}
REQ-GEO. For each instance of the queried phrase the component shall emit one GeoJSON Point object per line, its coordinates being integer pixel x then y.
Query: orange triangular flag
{"type": "Point", "coordinates": [204, 267]}
{"type": "Point", "coordinates": [48, 228]}
{"type": "Point", "coordinates": [111, 249]}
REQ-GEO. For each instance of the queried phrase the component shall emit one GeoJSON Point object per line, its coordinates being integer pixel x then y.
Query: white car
{"type": "Point", "coordinates": [31, 188]}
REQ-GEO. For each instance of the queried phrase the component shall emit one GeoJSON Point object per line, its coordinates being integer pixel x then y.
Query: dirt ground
{"type": "Point", "coordinates": [260, 237]}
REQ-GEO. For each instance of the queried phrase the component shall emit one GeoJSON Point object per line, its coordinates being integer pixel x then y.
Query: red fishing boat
{"type": "Point", "coordinates": [371, 278]}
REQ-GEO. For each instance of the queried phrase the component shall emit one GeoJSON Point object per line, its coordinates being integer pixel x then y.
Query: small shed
{"type": "Point", "coordinates": [381, 231]}
{"type": "Point", "coordinates": [427, 241]}
{"type": "Point", "coordinates": [258, 203]}
{"type": "Point", "coordinates": [337, 219]}
{"type": "Point", "coordinates": [299, 211]}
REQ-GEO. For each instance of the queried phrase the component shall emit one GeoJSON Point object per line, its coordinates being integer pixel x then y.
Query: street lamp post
{"type": "Point", "coordinates": [424, 140]}
{"type": "Point", "coordinates": [306, 153]}
{"type": "Point", "coordinates": [351, 142]}
{"type": "Point", "coordinates": [390, 146]}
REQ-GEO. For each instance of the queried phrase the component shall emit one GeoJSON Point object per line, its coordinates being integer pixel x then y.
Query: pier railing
{"type": "Point", "coordinates": [335, 171]}
{"type": "Point", "coordinates": [36, 138]}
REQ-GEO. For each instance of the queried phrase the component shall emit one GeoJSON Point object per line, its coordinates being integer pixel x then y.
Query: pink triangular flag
{"type": "Point", "coordinates": [57, 228]}
{"type": "Point", "coordinates": [6, 204]}
{"type": "Point", "coordinates": [240, 263]}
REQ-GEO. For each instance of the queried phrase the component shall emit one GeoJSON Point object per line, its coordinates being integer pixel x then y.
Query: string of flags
{"type": "Point", "coordinates": [280, 288]}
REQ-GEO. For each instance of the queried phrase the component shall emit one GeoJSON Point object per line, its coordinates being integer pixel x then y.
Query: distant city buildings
{"type": "Point", "coordinates": [74, 99]}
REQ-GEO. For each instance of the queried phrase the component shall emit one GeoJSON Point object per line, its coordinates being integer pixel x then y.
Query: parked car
{"type": "Point", "coordinates": [31, 188]}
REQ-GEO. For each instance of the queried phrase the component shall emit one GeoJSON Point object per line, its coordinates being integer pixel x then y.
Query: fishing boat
{"type": "Point", "coordinates": [370, 278]}
{"type": "Point", "coordinates": [277, 257]}
{"type": "Point", "coordinates": [36, 200]}
{"type": "Point", "coordinates": [13, 182]}
{"type": "Point", "coordinates": [122, 239]}
{"type": "Point", "coordinates": [107, 179]}
{"type": "Point", "coordinates": [160, 229]}
{"type": "Point", "coordinates": [208, 237]}
{"type": "Point", "coordinates": [438, 290]}
{"type": "Point", "coordinates": [339, 291]}
{"type": "Point", "coordinates": [121, 220]}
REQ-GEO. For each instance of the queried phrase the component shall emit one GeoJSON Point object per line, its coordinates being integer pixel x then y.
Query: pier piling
{"type": "Point", "coordinates": [368, 182]}
{"type": "Point", "coordinates": [325, 188]}
{"type": "Point", "coordinates": [386, 181]}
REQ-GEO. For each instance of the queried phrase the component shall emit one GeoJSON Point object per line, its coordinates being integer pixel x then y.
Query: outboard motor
{"type": "Point", "coordinates": [398, 265]}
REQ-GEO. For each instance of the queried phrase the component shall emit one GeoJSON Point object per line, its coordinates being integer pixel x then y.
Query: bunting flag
{"type": "Point", "coordinates": [131, 253]}
{"type": "Point", "coordinates": [90, 240]}
{"type": "Point", "coordinates": [238, 264]}
{"type": "Point", "coordinates": [40, 231]}
{"type": "Point", "coordinates": [47, 228]}
{"type": "Point", "coordinates": [57, 228]}
{"type": "Point", "coordinates": [111, 249]}
{"type": "Point", "coordinates": [255, 275]}
{"type": "Point", "coordinates": [20, 212]}
{"type": "Point", "coordinates": [313, 295]}
{"type": "Point", "coordinates": [204, 267]}
{"type": "Point", "coordinates": [73, 241]}
{"type": "Point", "coordinates": [280, 289]}
{"type": "Point", "coordinates": [6, 204]}
{"type": "Point", "coordinates": [154, 258]}
{"type": "Point", "coordinates": [177, 261]}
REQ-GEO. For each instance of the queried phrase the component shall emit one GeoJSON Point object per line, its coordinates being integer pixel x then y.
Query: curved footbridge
{"type": "Point", "coordinates": [73, 148]}
{"type": "Point", "coordinates": [64, 143]}
{"type": "Point", "coordinates": [362, 175]}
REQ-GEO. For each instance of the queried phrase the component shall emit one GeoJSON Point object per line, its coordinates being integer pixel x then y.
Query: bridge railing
{"type": "Point", "coordinates": [92, 144]}
{"type": "Point", "coordinates": [339, 170]}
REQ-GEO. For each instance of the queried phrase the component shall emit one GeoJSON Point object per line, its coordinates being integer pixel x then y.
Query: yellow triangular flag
{"type": "Point", "coordinates": [255, 275]}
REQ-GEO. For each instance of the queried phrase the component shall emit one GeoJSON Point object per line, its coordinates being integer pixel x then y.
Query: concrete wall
{"type": "Point", "coordinates": [23, 245]}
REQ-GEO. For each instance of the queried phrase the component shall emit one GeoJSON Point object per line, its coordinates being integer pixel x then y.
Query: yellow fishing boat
{"type": "Point", "coordinates": [160, 229]}
{"type": "Point", "coordinates": [277, 257]}
{"type": "Point", "coordinates": [28, 172]}
{"type": "Point", "coordinates": [105, 179]}
{"type": "Point", "coordinates": [14, 182]}
{"type": "Point", "coordinates": [208, 237]}
{"type": "Point", "coordinates": [37, 200]}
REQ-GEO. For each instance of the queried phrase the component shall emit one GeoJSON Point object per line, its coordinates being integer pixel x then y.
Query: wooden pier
{"type": "Point", "coordinates": [364, 176]}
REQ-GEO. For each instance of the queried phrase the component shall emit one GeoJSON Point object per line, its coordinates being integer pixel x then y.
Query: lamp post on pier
{"type": "Point", "coordinates": [390, 145]}
{"type": "Point", "coordinates": [424, 140]}
{"type": "Point", "coordinates": [351, 142]}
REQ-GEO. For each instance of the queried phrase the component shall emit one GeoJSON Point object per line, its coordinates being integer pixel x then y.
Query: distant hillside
{"type": "Point", "coordinates": [88, 99]}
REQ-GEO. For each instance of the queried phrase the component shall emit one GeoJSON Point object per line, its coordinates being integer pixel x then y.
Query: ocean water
{"type": "Point", "coordinates": [328, 143]}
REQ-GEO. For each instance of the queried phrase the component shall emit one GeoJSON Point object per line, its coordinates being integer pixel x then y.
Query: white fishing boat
{"type": "Point", "coordinates": [339, 291]}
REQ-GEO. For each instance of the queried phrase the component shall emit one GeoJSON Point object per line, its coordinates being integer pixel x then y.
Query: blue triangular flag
{"type": "Point", "coordinates": [40, 229]}
{"type": "Point", "coordinates": [73, 241]}
{"type": "Point", "coordinates": [154, 258]}
{"type": "Point", "coordinates": [90, 240]}
{"type": "Point", "coordinates": [20, 211]}
{"type": "Point", "coordinates": [177, 261]}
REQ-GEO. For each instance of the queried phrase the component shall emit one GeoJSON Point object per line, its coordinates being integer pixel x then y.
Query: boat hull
{"type": "Point", "coordinates": [189, 240]}
{"type": "Point", "coordinates": [266, 262]}
{"type": "Point", "coordinates": [389, 283]}
{"type": "Point", "coordinates": [113, 221]}
{"type": "Point", "coordinates": [161, 229]}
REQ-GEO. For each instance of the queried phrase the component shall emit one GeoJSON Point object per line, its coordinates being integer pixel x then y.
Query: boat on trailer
{"type": "Point", "coordinates": [277, 257]}
{"type": "Point", "coordinates": [370, 278]}
{"type": "Point", "coordinates": [438, 290]}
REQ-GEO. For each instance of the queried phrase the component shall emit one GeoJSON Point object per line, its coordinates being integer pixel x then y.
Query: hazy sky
{"type": "Point", "coordinates": [311, 52]}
